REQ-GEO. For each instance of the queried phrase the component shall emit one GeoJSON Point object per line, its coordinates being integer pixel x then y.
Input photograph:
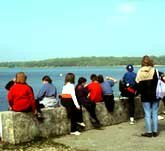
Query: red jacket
{"type": "Point", "coordinates": [21, 98]}
{"type": "Point", "coordinates": [95, 92]}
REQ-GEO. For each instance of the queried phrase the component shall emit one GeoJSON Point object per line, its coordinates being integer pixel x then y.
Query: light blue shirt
{"type": "Point", "coordinates": [47, 90]}
{"type": "Point", "coordinates": [107, 87]}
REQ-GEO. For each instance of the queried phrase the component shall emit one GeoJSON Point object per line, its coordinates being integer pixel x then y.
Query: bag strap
{"type": "Point", "coordinates": [157, 73]}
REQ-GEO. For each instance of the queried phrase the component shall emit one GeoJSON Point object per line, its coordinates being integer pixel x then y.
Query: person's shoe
{"type": "Point", "coordinates": [146, 134]}
{"type": "Point", "coordinates": [98, 126]}
{"type": "Point", "coordinates": [132, 122]}
{"type": "Point", "coordinates": [75, 133]}
{"type": "Point", "coordinates": [155, 134]}
{"type": "Point", "coordinates": [163, 112]}
{"type": "Point", "coordinates": [81, 124]}
{"type": "Point", "coordinates": [160, 117]}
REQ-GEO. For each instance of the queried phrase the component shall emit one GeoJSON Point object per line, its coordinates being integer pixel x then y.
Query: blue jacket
{"type": "Point", "coordinates": [107, 87]}
{"type": "Point", "coordinates": [129, 77]}
{"type": "Point", "coordinates": [47, 90]}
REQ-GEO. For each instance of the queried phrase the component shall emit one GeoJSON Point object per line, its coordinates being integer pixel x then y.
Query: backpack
{"type": "Point", "coordinates": [160, 89]}
{"type": "Point", "coordinates": [126, 91]}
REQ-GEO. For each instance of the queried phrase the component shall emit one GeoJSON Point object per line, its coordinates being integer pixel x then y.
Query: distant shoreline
{"type": "Point", "coordinates": [83, 62]}
{"type": "Point", "coordinates": [74, 66]}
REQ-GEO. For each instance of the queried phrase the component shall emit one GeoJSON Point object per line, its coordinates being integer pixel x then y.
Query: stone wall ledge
{"type": "Point", "coordinates": [17, 127]}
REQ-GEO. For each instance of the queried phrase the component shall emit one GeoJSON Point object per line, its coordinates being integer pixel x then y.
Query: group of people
{"type": "Point", "coordinates": [73, 97]}
{"type": "Point", "coordinates": [21, 96]}
{"type": "Point", "coordinates": [145, 84]}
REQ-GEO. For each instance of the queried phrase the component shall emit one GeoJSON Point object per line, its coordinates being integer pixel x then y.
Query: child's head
{"type": "Point", "coordinates": [21, 77]}
{"type": "Point", "coordinates": [70, 77]}
{"type": "Point", "coordinates": [82, 80]}
{"type": "Point", "coordinates": [47, 79]}
{"type": "Point", "coordinates": [100, 78]}
{"type": "Point", "coordinates": [93, 77]}
{"type": "Point", "coordinates": [129, 68]}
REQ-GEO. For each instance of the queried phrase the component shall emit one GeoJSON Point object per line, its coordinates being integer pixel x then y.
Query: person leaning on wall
{"type": "Point", "coordinates": [129, 80]}
{"type": "Point", "coordinates": [108, 96]}
{"type": "Point", "coordinates": [95, 96]}
{"type": "Point", "coordinates": [69, 101]}
{"type": "Point", "coordinates": [82, 96]}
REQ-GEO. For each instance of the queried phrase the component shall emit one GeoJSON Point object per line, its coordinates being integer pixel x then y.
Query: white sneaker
{"type": "Point", "coordinates": [160, 117]}
{"type": "Point", "coordinates": [163, 112]}
{"type": "Point", "coordinates": [132, 121]}
{"type": "Point", "coordinates": [123, 98]}
{"type": "Point", "coordinates": [75, 133]}
{"type": "Point", "coordinates": [81, 124]}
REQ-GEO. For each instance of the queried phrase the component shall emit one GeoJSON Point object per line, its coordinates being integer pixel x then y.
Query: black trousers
{"type": "Point", "coordinates": [131, 106]}
{"type": "Point", "coordinates": [72, 112]}
{"type": "Point", "coordinates": [39, 106]}
{"type": "Point", "coordinates": [91, 108]}
{"type": "Point", "coordinates": [109, 102]}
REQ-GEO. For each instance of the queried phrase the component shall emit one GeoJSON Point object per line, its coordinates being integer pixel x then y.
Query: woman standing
{"type": "Point", "coordinates": [69, 101]}
{"type": "Point", "coordinates": [147, 82]}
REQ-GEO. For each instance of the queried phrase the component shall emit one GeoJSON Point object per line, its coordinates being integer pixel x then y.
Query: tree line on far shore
{"type": "Point", "coordinates": [83, 61]}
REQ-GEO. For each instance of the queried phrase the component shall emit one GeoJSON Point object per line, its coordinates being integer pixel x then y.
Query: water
{"type": "Point", "coordinates": [34, 76]}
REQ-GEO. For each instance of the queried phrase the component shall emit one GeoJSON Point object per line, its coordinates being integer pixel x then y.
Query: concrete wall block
{"type": "Point", "coordinates": [7, 127]}
{"type": "Point", "coordinates": [20, 127]}
{"type": "Point", "coordinates": [25, 127]}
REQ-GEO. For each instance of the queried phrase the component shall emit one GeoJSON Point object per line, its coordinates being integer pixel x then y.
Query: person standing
{"type": "Point", "coordinates": [147, 81]}
{"type": "Point", "coordinates": [129, 80]}
{"type": "Point", "coordinates": [69, 101]}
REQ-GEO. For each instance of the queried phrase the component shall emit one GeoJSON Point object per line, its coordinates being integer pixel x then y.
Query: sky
{"type": "Point", "coordinates": [44, 29]}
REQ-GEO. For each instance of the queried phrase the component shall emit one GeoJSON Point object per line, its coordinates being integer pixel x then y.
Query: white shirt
{"type": "Point", "coordinates": [68, 88]}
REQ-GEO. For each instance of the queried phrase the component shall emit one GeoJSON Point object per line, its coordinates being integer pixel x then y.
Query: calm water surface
{"type": "Point", "coordinates": [57, 74]}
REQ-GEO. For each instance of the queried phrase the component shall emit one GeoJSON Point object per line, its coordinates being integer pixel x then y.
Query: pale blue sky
{"type": "Point", "coordinates": [42, 29]}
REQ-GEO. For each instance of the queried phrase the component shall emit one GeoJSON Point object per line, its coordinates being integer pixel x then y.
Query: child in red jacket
{"type": "Point", "coordinates": [95, 95]}
{"type": "Point", "coordinates": [20, 95]}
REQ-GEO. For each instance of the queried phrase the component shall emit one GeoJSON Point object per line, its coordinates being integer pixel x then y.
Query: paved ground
{"type": "Point", "coordinates": [123, 137]}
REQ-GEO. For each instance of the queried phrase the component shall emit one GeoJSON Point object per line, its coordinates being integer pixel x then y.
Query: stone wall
{"type": "Point", "coordinates": [19, 127]}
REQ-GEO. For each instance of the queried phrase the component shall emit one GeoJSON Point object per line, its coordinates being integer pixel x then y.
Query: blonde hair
{"type": "Point", "coordinates": [21, 77]}
{"type": "Point", "coordinates": [147, 61]}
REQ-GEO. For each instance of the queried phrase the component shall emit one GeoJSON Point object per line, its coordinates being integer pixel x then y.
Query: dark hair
{"type": "Point", "coordinates": [100, 78]}
{"type": "Point", "coordinates": [47, 78]}
{"type": "Point", "coordinates": [93, 77]}
{"type": "Point", "coordinates": [70, 77]}
{"type": "Point", "coordinates": [81, 80]}
{"type": "Point", "coordinates": [130, 67]}
{"type": "Point", "coordinates": [9, 85]}
{"type": "Point", "coordinates": [147, 61]}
